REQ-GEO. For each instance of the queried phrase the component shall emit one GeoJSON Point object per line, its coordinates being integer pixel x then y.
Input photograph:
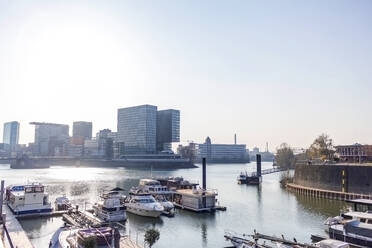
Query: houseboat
{"type": "Point", "coordinates": [143, 204]}
{"type": "Point", "coordinates": [196, 199]}
{"type": "Point", "coordinates": [111, 207]}
{"type": "Point", "coordinates": [30, 199]}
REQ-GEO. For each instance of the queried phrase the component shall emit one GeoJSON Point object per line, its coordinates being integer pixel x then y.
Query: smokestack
{"type": "Point", "coordinates": [204, 174]}
{"type": "Point", "coordinates": [235, 139]}
{"type": "Point", "coordinates": [258, 159]}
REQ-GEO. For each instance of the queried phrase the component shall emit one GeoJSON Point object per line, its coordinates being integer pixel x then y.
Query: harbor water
{"type": "Point", "coordinates": [267, 208]}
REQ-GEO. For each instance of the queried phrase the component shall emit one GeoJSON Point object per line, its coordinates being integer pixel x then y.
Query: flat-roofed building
{"type": "Point", "coordinates": [167, 129]}
{"type": "Point", "coordinates": [51, 139]}
{"type": "Point", "coordinates": [355, 153]}
{"type": "Point", "coordinates": [220, 153]}
{"type": "Point", "coordinates": [136, 131]}
{"type": "Point", "coordinates": [81, 130]}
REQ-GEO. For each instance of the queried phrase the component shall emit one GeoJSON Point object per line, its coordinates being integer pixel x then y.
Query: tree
{"type": "Point", "coordinates": [151, 236]}
{"type": "Point", "coordinates": [284, 156]}
{"type": "Point", "coordinates": [322, 148]}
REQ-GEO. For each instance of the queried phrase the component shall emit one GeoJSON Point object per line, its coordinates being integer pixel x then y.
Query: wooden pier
{"type": "Point", "coordinates": [17, 236]}
{"type": "Point", "coordinates": [321, 193]}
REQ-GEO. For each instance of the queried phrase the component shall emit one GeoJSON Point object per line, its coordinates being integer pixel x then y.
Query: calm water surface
{"type": "Point", "coordinates": [268, 208]}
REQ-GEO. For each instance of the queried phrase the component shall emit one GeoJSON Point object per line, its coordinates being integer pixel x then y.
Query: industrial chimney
{"type": "Point", "coordinates": [235, 139]}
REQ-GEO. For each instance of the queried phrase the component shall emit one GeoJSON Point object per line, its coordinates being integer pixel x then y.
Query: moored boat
{"type": "Point", "coordinates": [111, 207]}
{"type": "Point", "coordinates": [28, 200]}
{"type": "Point", "coordinates": [143, 204]}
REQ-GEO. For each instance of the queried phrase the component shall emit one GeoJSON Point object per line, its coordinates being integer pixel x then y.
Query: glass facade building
{"type": "Point", "coordinates": [137, 129]}
{"type": "Point", "coordinates": [11, 135]}
{"type": "Point", "coordinates": [168, 128]}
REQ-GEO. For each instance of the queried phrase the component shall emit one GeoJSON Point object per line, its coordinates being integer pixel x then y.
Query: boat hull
{"type": "Point", "coordinates": [144, 212]}
{"type": "Point", "coordinates": [31, 212]}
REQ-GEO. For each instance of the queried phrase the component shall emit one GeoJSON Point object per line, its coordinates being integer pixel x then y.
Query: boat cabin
{"type": "Point", "coordinates": [361, 205]}
{"type": "Point", "coordinates": [28, 199]}
{"type": "Point", "coordinates": [153, 187]}
{"type": "Point", "coordinates": [175, 183]}
{"type": "Point", "coordinates": [197, 200]}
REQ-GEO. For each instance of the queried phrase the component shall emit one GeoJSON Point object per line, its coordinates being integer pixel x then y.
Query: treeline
{"type": "Point", "coordinates": [321, 149]}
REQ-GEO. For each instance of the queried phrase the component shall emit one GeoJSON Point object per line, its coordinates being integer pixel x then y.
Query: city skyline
{"type": "Point", "coordinates": [269, 72]}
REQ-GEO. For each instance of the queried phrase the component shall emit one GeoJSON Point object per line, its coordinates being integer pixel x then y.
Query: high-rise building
{"type": "Point", "coordinates": [11, 135]}
{"type": "Point", "coordinates": [51, 139]}
{"type": "Point", "coordinates": [81, 130]}
{"type": "Point", "coordinates": [137, 129]}
{"type": "Point", "coordinates": [167, 128]}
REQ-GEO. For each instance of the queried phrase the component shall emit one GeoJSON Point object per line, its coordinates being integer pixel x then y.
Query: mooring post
{"type": "Point", "coordinates": [204, 176]}
{"type": "Point", "coordinates": [1, 200]}
{"type": "Point", "coordinates": [258, 159]}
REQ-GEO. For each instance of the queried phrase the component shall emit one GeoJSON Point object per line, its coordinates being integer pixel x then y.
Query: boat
{"type": "Point", "coordinates": [111, 207]}
{"type": "Point", "coordinates": [258, 240]}
{"type": "Point", "coordinates": [62, 203]}
{"type": "Point", "coordinates": [103, 237]}
{"type": "Point", "coordinates": [28, 200]}
{"type": "Point", "coordinates": [143, 204]}
{"type": "Point", "coordinates": [242, 178]}
{"type": "Point", "coordinates": [354, 227]}
{"type": "Point", "coordinates": [72, 237]}
{"type": "Point", "coordinates": [160, 192]}
{"type": "Point", "coordinates": [153, 187]}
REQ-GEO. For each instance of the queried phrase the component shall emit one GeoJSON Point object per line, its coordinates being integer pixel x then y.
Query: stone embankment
{"type": "Point", "coordinates": [336, 181]}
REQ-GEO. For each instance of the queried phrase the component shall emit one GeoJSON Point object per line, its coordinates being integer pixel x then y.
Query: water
{"type": "Point", "coordinates": [268, 208]}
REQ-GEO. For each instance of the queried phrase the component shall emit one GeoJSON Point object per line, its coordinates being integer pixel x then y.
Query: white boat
{"type": "Point", "coordinates": [111, 207]}
{"type": "Point", "coordinates": [30, 199]}
{"type": "Point", "coordinates": [153, 187]}
{"type": "Point", "coordinates": [161, 193]}
{"type": "Point", "coordinates": [62, 203]}
{"type": "Point", "coordinates": [143, 204]}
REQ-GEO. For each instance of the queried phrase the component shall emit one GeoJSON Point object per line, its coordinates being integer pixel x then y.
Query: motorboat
{"type": "Point", "coordinates": [30, 199]}
{"type": "Point", "coordinates": [62, 203]}
{"type": "Point", "coordinates": [242, 178]}
{"type": "Point", "coordinates": [111, 207]}
{"type": "Point", "coordinates": [143, 204]}
{"type": "Point", "coordinates": [72, 237]}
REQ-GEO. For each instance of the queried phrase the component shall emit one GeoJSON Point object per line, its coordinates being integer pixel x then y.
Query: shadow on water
{"type": "Point", "coordinates": [325, 207]}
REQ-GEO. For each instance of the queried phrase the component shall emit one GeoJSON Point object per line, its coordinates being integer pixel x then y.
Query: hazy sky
{"type": "Point", "coordinates": [276, 71]}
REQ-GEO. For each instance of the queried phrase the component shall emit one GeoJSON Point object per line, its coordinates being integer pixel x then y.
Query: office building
{"type": "Point", "coordinates": [137, 129]}
{"type": "Point", "coordinates": [220, 153]}
{"type": "Point", "coordinates": [356, 153]}
{"type": "Point", "coordinates": [11, 135]}
{"type": "Point", "coordinates": [50, 139]}
{"type": "Point", "coordinates": [167, 129]}
{"type": "Point", "coordinates": [81, 130]}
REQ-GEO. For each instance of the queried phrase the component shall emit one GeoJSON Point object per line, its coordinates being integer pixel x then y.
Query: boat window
{"type": "Point", "coordinates": [363, 220]}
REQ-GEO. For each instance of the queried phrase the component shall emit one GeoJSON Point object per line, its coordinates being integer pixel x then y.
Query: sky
{"type": "Point", "coordinates": [269, 71]}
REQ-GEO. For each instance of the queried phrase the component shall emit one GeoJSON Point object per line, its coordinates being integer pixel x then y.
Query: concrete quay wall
{"type": "Point", "coordinates": [335, 177]}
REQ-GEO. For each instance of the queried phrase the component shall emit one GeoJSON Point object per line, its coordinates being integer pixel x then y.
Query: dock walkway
{"type": "Point", "coordinates": [16, 232]}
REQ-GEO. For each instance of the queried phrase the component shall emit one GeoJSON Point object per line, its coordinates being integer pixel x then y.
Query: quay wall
{"type": "Point", "coordinates": [335, 177]}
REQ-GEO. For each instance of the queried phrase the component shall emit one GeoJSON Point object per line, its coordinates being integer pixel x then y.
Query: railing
{"type": "Point", "coordinates": [268, 171]}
